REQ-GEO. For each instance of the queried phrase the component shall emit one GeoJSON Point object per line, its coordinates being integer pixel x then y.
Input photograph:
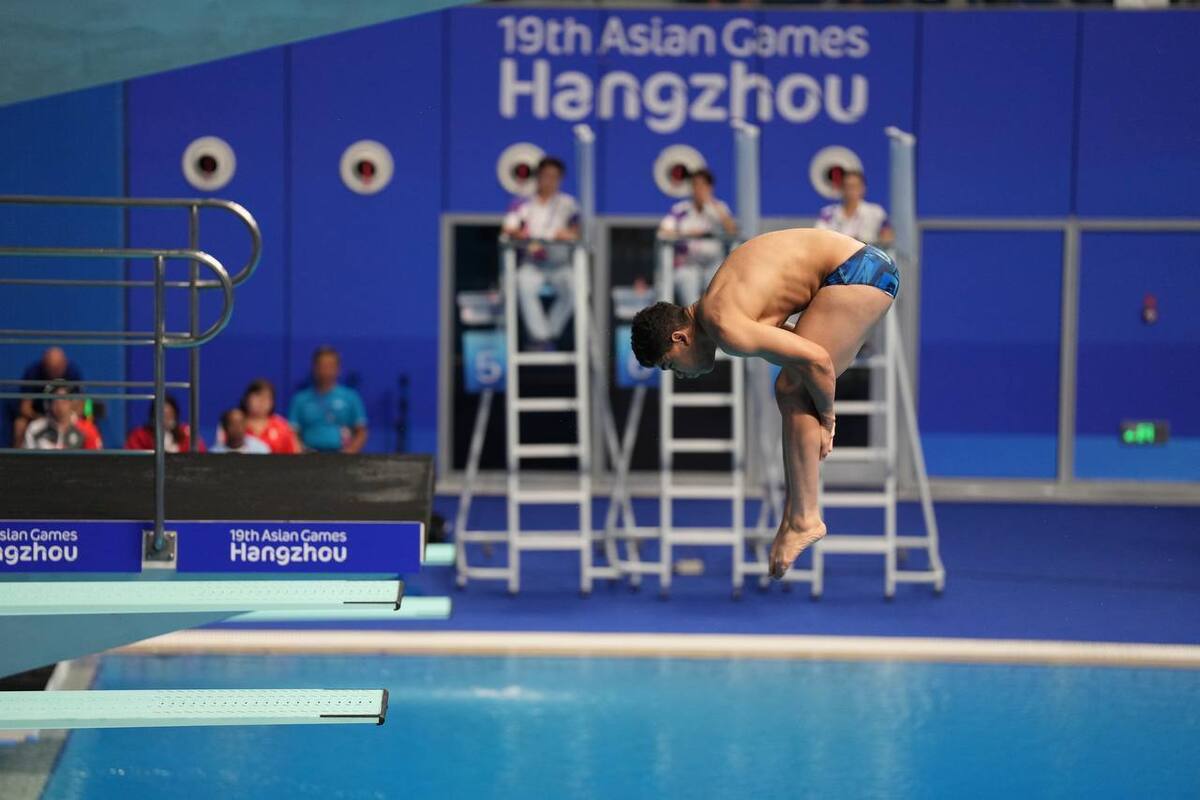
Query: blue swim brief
{"type": "Point", "coordinates": [870, 266]}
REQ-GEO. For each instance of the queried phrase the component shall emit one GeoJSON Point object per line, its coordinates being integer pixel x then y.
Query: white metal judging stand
{"type": "Point", "coordinates": [730, 487]}
{"type": "Point", "coordinates": [620, 523]}
{"type": "Point", "coordinates": [481, 310]}
{"type": "Point", "coordinates": [520, 452]}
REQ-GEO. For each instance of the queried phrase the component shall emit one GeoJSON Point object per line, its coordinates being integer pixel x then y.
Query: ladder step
{"type": "Point", "coordinates": [702, 492]}
{"type": "Point", "coordinates": [173, 596]}
{"type": "Point", "coordinates": [552, 540]}
{"type": "Point", "coordinates": [854, 499]}
{"type": "Point", "coordinates": [438, 555]}
{"type": "Point", "coordinates": [870, 362]}
{"type": "Point", "coordinates": [413, 608]}
{"type": "Point", "coordinates": [700, 399]}
{"type": "Point", "coordinates": [563, 496]}
{"type": "Point", "coordinates": [535, 359]}
{"type": "Point", "coordinates": [488, 573]}
{"type": "Point", "coordinates": [913, 542]}
{"type": "Point", "coordinates": [174, 707]}
{"type": "Point", "coordinates": [923, 576]}
{"type": "Point", "coordinates": [700, 445]}
{"type": "Point", "coordinates": [482, 536]}
{"type": "Point", "coordinates": [722, 537]}
{"type": "Point", "coordinates": [547, 450]}
{"type": "Point", "coordinates": [547, 404]}
{"type": "Point", "coordinates": [875, 454]}
{"type": "Point", "coordinates": [853, 544]}
{"type": "Point", "coordinates": [859, 407]}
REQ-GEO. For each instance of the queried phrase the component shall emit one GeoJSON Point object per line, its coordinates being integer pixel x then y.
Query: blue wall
{"type": "Point", "coordinates": [1017, 114]}
{"type": "Point", "coordinates": [45, 153]}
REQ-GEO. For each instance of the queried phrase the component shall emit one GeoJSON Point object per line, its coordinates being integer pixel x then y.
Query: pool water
{"type": "Point", "coordinates": [460, 727]}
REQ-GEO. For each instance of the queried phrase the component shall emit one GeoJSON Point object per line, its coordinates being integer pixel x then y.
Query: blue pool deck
{"type": "Point", "coordinates": [1058, 572]}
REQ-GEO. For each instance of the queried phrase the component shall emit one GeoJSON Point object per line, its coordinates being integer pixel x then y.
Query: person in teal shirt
{"type": "Point", "coordinates": [329, 417]}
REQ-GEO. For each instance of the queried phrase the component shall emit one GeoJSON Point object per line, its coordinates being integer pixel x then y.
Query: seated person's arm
{"type": "Point", "coordinates": [727, 220]}
{"type": "Point", "coordinates": [569, 233]}
{"type": "Point", "coordinates": [358, 436]}
{"type": "Point", "coordinates": [886, 234]}
{"type": "Point", "coordinates": [513, 225]}
{"type": "Point", "coordinates": [789, 350]}
{"type": "Point", "coordinates": [26, 409]}
{"type": "Point", "coordinates": [669, 227]}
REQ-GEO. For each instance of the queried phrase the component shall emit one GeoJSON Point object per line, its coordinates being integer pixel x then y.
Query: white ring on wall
{"type": "Point", "coordinates": [827, 159]}
{"type": "Point", "coordinates": [516, 169]}
{"type": "Point", "coordinates": [366, 167]}
{"type": "Point", "coordinates": [209, 163]}
{"type": "Point", "coordinates": [673, 168]}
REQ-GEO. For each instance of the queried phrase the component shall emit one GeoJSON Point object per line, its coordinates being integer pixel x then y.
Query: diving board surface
{"type": "Point", "coordinates": [27, 598]}
{"type": "Point", "coordinates": [174, 707]}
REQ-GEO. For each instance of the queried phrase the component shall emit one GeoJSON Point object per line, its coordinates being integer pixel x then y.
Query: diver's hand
{"type": "Point", "coordinates": [827, 428]}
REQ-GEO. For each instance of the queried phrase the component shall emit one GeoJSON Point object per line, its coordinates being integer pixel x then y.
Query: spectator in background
{"type": "Point", "coordinates": [53, 366]}
{"type": "Point", "coordinates": [258, 406]}
{"type": "Point", "coordinates": [234, 438]}
{"type": "Point", "coordinates": [696, 260]}
{"type": "Point", "coordinates": [552, 216]}
{"type": "Point", "coordinates": [854, 216]}
{"type": "Point", "coordinates": [327, 416]}
{"type": "Point", "coordinates": [58, 429]}
{"type": "Point", "coordinates": [177, 436]}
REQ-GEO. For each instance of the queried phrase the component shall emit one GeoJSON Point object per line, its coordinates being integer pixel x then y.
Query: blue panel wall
{"type": "Point", "coordinates": [990, 315]}
{"type": "Point", "coordinates": [995, 131]}
{"type": "Point", "coordinates": [866, 84]}
{"type": "Point", "coordinates": [1139, 115]}
{"type": "Point", "coordinates": [478, 132]}
{"type": "Point", "coordinates": [1130, 370]}
{"type": "Point", "coordinates": [45, 153]}
{"type": "Point", "coordinates": [365, 267]}
{"type": "Point", "coordinates": [241, 100]}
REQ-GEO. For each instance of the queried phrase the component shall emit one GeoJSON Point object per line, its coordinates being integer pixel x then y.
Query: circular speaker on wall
{"type": "Point", "coordinates": [517, 167]}
{"type": "Point", "coordinates": [209, 163]}
{"type": "Point", "coordinates": [366, 167]}
{"type": "Point", "coordinates": [828, 167]}
{"type": "Point", "coordinates": [674, 166]}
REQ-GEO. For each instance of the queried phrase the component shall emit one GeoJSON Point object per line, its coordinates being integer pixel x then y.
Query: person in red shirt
{"type": "Point", "coordinates": [258, 404]}
{"type": "Point", "coordinates": [176, 435]}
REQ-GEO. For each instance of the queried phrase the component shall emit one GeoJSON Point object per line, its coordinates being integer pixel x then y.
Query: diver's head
{"type": "Point", "coordinates": [666, 336]}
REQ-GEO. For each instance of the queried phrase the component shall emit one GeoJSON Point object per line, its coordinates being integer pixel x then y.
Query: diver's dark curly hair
{"type": "Point", "coordinates": [652, 329]}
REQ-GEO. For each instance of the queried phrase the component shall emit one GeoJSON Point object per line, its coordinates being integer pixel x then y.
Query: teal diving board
{"type": "Point", "coordinates": [438, 555]}
{"type": "Point", "coordinates": [161, 597]}
{"type": "Point", "coordinates": [176, 707]}
{"type": "Point", "coordinates": [414, 608]}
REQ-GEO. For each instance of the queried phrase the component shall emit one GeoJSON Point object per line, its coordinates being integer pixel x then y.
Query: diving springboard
{"type": "Point", "coordinates": [177, 707]}
{"type": "Point", "coordinates": [28, 598]}
{"type": "Point", "coordinates": [414, 608]}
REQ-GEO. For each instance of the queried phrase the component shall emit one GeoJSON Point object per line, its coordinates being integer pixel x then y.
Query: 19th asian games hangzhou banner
{"type": "Point", "coordinates": [822, 86]}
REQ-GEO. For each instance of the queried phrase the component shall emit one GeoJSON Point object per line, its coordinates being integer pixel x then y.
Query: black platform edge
{"type": "Point", "coordinates": [204, 486]}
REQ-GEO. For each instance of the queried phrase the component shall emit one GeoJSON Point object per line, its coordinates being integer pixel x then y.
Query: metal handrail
{"type": "Point", "coordinates": [246, 218]}
{"type": "Point", "coordinates": [126, 338]}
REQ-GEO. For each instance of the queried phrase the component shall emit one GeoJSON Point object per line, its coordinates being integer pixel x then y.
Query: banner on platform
{"type": "Point", "coordinates": [214, 546]}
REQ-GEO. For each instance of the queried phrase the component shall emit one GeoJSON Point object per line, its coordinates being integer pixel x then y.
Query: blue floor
{"type": "Point", "coordinates": [1095, 573]}
{"type": "Point", "coordinates": [661, 728]}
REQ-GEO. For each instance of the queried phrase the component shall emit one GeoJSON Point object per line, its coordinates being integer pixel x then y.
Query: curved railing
{"type": "Point", "coordinates": [160, 338]}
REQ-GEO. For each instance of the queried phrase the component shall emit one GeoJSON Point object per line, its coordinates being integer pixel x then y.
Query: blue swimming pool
{"type": "Point", "coordinates": [632, 728]}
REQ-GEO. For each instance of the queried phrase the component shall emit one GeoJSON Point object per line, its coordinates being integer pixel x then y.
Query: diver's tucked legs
{"type": "Point", "coordinates": [840, 319]}
{"type": "Point", "coordinates": [801, 524]}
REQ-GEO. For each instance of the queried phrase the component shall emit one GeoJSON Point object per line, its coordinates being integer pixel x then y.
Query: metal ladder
{"type": "Point", "coordinates": [672, 489]}
{"type": "Point", "coordinates": [518, 450]}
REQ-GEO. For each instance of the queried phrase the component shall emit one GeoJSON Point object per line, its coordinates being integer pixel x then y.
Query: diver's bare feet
{"type": "Point", "coordinates": [790, 542]}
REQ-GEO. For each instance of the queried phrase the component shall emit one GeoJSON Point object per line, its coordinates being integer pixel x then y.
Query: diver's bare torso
{"type": "Point", "coordinates": [772, 276]}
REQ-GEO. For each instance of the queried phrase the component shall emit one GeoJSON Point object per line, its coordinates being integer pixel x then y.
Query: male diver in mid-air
{"type": "Point", "coordinates": [843, 287]}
